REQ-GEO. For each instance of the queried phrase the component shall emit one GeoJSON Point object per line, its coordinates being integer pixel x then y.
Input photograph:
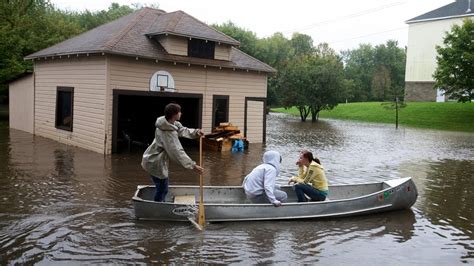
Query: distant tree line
{"type": "Point", "coordinates": [314, 78]}
{"type": "Point", "coordinates": [311, 77]}
{"type": "Point", "coordinates": [27, 26]}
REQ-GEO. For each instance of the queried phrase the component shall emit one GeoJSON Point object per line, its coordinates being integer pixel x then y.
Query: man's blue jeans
{"type": "Point", "coordinates": [313, 194]}
{"type": "Point", "coordinates": [161, 185]}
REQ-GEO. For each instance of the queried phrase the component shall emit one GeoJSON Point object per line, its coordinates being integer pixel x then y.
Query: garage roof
{"type": "Point", "coordinates": [131, 35]}
{"type": "Point", "coordinates": [181, 24]}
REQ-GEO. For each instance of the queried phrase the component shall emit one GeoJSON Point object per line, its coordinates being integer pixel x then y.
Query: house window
{"type": "Point", "coordinates": [220, 108]}
{"type": "Point", "coordinates": [64, 104]}
{"type": "Point", "coordinates": [201, 48]}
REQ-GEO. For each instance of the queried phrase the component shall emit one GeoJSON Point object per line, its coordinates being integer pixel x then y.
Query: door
{"type": "Point", "coordinates": [255, 120]}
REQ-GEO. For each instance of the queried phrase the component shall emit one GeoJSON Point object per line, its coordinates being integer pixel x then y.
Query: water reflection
{"type": "Point", "coordinates": [449, 197]}
{"type": "Point", "coordinates": [64, 204]}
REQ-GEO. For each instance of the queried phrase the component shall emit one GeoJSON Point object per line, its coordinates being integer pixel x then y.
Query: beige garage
{"type": "Point", "coordinates": [106, 86]}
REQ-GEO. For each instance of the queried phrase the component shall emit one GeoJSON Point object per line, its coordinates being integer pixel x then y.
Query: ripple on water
{"type": "Point", "coordinates": [63, 204]}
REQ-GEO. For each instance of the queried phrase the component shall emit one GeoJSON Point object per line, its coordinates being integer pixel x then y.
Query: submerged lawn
{"type": "Point", "coordinates": [444, 116]}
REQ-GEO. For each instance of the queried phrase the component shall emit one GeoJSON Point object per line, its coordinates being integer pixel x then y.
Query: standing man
{"type": "Point", "coordinates": [166, 145]}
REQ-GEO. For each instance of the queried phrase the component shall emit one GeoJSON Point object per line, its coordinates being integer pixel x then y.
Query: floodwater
{"type": "Point", "coordinates": [61, 204]}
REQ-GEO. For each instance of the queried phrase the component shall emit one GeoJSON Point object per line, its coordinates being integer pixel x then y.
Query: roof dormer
{"type": "Point", "coordinates": [182, 34]}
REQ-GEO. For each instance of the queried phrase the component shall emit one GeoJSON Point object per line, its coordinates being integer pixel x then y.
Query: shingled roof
{"type": "Point", "coordinates": [459, 8]}
{"type": "Point", "coordinates": [131, 35]}
{"type": "Point", "coordinates": [181, 24]}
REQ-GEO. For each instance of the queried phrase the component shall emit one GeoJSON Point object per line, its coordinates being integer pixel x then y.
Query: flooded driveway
{"type": "Point", "coordinates": [62, 204]}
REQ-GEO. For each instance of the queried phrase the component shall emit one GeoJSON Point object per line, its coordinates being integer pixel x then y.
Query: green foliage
{"type": "Point", "coordinates": [248, 39]}
{"type": "Point", "coordinates": [302, 44]}
{"type": "Point", "coordinates": [378, 73]}
{"type": "Point", "coordinates": [359, 68]}
{"type": "Point", "coordinates": [27, 26]}
{"type": "Point", "coordinates": [313, 83]}
{"type": "Point", "coordinates": [444, 116]}
{"type": "Point", "coordinates": [88, 20]}
{"type": "Point", "coordinates": [454, 73]}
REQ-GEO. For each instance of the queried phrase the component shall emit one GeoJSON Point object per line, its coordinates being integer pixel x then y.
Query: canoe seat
{"type": "Point", "coordinates": [185, 199]}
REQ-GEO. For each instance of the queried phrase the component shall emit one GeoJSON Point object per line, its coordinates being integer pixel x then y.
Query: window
{"type": "Point", "coordinates": [201, 48]}
{"type": "Point", "coordinates": [220, 108]}
{"type": "Point", "coordinates": [64, 103]}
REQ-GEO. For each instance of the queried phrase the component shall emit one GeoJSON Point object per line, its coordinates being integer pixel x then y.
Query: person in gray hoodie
{"type": "Point", "coordinates": [260, 185]}
{"type": "Point", "coordinates": [166, 146]}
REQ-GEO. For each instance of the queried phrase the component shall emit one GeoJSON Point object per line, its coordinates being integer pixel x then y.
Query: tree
{"type": "Point", "coordinates": [381, 83]}
{"type": "Point", "coordinates": [27, 26]}
{"type": "Point", "coordinates": [248, 39]}
{"type": "Point", "coordinates": [375, 71]}
{"type": "Point", "coordinates": [327, 89]}
{"type": "Point", "coordinates": [454, 73]}
{"type": "Point", "coordinates": [293, 82]}
{"type": "Point", "coordinates": [359, 67]}
{"type": "Point", "coordinates": [302, 44]}
{"type": "Point", "coordinates": [313, 83]}
{"type": "Point", "coordinates": [390, 61]}
{"type": "Point", "coordinates": [88, 20]}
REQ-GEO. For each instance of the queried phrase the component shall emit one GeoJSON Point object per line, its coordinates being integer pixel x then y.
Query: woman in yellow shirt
{"type": "Point", "coordinates": [311, 180]}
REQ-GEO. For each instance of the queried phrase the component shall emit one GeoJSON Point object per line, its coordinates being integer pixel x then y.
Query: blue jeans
{"type": "Point", "coordinates": [313, 194]}
{"type": "Point", "coordinates": [161, 188]}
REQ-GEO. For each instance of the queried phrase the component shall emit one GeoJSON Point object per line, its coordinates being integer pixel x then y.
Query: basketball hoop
{"type": "Point", "coordinates": [162, 81]}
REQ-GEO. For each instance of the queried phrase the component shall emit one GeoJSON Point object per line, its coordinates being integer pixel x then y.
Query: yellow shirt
{"type": "Point", "coordinates": [313, 175]}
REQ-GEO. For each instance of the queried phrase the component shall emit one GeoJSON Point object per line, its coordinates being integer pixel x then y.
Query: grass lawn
{"type": "Point", "coordinates": [444, 116]}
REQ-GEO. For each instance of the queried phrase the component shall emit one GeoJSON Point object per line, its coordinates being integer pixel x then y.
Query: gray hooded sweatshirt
{"type": "Point", "coordinates": [262, 179]}
{"type": "Point", "coordinates": [166, 146]}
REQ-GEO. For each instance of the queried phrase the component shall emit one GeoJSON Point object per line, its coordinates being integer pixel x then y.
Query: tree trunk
{"type": "Point", "coordinates": [314, 114]}
{"type": "Point", "coordinates": [303, 113]}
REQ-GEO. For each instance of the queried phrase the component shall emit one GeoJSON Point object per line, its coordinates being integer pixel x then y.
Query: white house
{"type": "Point", "coordinates": [424, 33]}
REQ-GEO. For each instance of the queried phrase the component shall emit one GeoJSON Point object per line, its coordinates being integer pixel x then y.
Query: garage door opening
{"type": "Point", "coordinates": [135, 115]}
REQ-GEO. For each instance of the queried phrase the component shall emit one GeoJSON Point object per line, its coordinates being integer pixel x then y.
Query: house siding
{"type": "Point", "coordinates": [87, 75]}
{"type": "Point", "coordinates": [421, 48]}
{"type": "Point", "coordinates": [423, 37]}
{"type": "Point", "coordinates": [255, 121]}
{"type": "Point", "coordinates": [174, 44]}
{"type": "Point", "coordinates": [130, 74]}
{"type": "Point", "coordinates": [222, 52]}
{"type": "Point", "coordinates": [21, 107]}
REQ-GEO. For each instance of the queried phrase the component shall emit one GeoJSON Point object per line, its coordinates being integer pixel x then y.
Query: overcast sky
{"type": "Point", "coordinates": [343, 24]}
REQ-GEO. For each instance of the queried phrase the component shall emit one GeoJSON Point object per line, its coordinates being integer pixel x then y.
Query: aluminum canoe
{"type": "Point", "coordinates": [229, 203]}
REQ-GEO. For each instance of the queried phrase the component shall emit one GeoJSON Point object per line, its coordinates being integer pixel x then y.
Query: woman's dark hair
{"type": "Point", "coordinates": [309, 155]}
{"type": "Point", "coordinates": [172, 109]}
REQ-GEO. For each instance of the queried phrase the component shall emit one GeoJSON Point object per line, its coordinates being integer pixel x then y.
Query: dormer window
{"type": "Point", "coordinates": [201, 48]}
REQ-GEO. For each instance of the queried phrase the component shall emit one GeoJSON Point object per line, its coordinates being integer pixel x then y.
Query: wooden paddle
{"type": "Point", "coordinates": [201, 216]}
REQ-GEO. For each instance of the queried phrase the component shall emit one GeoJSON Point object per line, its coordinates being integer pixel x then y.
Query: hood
{"type": "Point", "coordinates": [164, 125]}
{"type": "Point", "coordinates": [272, 158]}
